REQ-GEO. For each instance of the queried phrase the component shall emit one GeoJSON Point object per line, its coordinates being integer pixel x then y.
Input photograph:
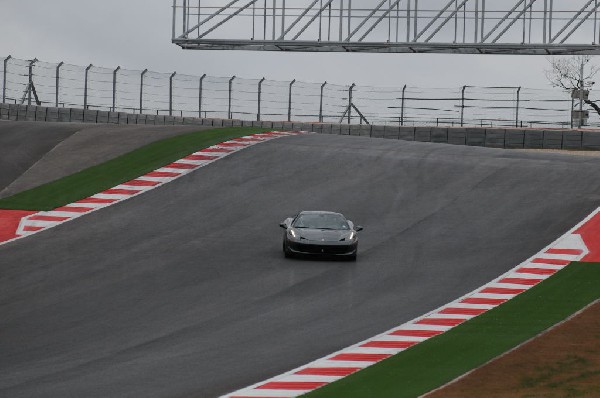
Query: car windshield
{"type": "Point", "coordinates": [321, 221]}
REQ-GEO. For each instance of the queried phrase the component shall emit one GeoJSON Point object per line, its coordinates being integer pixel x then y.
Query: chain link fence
{"type": "Point", "coordinates": [149, 92]}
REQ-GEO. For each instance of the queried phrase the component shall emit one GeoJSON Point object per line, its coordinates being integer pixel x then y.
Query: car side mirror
{"type": "Point", "coordinates": [358, 228]}
{"type": "Point", "coordinates": [286, 223]}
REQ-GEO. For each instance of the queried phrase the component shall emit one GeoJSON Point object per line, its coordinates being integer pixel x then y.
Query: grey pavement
{"type": "Point", "coordinates": [34, 153]}
{"type": "Point", "coordinates": [23, 144]}
{"type": "Point", "coordinates": [184, 291]}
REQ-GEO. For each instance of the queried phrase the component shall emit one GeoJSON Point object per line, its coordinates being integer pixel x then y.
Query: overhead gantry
{"type": "Point", "coordinates": [536, 27]}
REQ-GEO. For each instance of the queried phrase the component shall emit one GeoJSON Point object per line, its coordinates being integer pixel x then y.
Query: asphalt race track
{"type": "Point", "coordinates": [184, 291]}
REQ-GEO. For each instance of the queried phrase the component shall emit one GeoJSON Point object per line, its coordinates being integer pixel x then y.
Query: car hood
{"type": "Point", "coordinates": [322, 235]}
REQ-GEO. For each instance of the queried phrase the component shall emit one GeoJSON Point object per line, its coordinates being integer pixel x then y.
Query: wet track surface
{"type": "Point", "coordinates": [184, 291]}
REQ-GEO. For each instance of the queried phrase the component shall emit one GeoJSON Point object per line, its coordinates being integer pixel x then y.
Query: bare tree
{"type": "Point", "coordinates": [566, 73]}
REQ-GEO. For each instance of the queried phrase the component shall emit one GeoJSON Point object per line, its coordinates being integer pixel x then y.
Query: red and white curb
{"type": "Point", "coordinates": [582, 243]}
{"type": "Point", "coordinates": [18, 224]}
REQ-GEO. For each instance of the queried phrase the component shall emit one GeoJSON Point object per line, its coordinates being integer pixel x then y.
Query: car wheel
{"type": "Point", "coordinates": [352, 257]}
{"type": "Point", "coordinates": [286, 252]}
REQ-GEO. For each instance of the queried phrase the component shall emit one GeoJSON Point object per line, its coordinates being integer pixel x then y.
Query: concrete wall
{"type": "Point", "coordinates": [472, 136]}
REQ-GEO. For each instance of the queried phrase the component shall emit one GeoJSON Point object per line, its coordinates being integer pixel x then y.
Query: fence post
{"type": "Point", "coordinates": [57, 85]}
{"type": "Point", "coordinates": [350, 102]}
{"type": "Point", "coordinates": [200, 89]}
{"type": "Point", "coordinates": [114, 88]}
{"type": "Point", "coordinates": [4, 78]}
{"type": "Point", "coordinates": [517, 107]}
{"type": "Point", "coordinates": [402, 106]}
{"type": "Point", "coordinates": [259, 98]}
{"type": "Point", "coordinates": [229, 114]}
{"type": "Point", "coordinates": [462, 107]}
{"type": "Point", "coordinates": [171, 93]}
{"type": "Point", "coordinates": [321, 103]}
{"type": "Point", "coordinates": [85, 88]}
{"type": "Point", "coordinates": [142, 89]}
{"type": "Point", "coordinates": [30, 86]}
{"type": "Point", "coordinates": [290, 101]}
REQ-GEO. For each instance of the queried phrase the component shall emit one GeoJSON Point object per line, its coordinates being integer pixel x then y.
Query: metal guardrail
{"type": "Point", "coordinates": [149, 92]}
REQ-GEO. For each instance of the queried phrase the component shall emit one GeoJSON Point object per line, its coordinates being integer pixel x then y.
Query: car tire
{"type": "Point", "coordinates": [286, 252]}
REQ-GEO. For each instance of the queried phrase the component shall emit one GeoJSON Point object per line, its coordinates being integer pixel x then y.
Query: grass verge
{"type": "Point", "coordinates": [441, 359]}
{"type": "Point", "coordinates": [118, 170]}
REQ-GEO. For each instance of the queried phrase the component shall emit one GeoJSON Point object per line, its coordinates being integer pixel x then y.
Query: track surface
{"type": "Point", "coordinates": [34, 153]}
{"type": "Point", "coordinates": [184, 291]}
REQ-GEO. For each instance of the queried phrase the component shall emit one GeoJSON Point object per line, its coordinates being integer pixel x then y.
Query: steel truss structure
{"type": "Point", "coordinates": [535, 27]}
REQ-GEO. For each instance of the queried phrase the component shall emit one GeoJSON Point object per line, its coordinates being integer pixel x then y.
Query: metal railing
{"type": "Point", "coordinates": [145, 91]}
{"type": "Point", "coordinates": [539, 27]}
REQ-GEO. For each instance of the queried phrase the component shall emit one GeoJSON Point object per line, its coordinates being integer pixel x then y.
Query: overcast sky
{"type": "Point", "coordinates": [136, 34]}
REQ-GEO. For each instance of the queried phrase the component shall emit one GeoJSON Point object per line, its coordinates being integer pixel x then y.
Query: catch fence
{"type": "Point", "coordinates": [149, 92]}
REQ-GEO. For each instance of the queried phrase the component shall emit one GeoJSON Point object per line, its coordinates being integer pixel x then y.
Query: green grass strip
{"type": "Point", "coordinates": [441, 359]}
{"type": "Point", "coordinates": [121, 169]}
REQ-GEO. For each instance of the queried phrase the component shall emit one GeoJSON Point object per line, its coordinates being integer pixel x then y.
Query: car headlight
{"type": "Point", "coordinates": [292, 233]}
{"type": "Point", "coordinates": [350, 237]}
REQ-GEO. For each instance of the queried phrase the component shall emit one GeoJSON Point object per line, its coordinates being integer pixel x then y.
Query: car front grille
{"type": "Point", "coordinates": [322, 249]}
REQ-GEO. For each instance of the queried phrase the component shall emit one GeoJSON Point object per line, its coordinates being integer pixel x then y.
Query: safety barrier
{"type": "Point", "coordinates": [470, 136]}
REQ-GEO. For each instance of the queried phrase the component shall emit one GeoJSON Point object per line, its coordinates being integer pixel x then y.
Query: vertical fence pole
{"type": "Point", "coordinates": [229, 113]}
{"type": "Point", "coordinates": [402, 106]}
{"type": "Point", "coordinates": [114, 88]}
{"type": "Point", "coordinates": [200, 93]}
{"type": "Point", "coordinates": [581, 88]}
{"type": "Point", "coordinates": [142, 89]}
{"type": "Point", "coordinates": [259, 98]}
{"type": "Point", "coordinates": [571, 110]}
{"type": "Point", "coordinates": [57, 85]}
{"type": "Point", "coordinates": [289, 118]}
{"type": "Point", "coordinates": [462, 107]}
{"type": "Point", "coordinates": [171, 93]}
{"type": "Point", "coordinates": [30, 86]}
{"type": "Point", "coordinates": [517, 107]}
{"type": "Point", "coordinates": [350, 102]}
{"type": "Point", "coordinates": [321, 103]}
{"type": "Point", "coordinates": [4, 78]}
{"type": "Point", "coordinates": [85, 88]}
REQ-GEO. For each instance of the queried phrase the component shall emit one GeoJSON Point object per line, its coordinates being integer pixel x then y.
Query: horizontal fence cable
{"type": "Point", "coordinates": [118, 89]}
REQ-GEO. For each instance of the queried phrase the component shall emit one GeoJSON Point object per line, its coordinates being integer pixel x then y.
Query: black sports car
{"type": "Point", "coordinates": [320, 233]}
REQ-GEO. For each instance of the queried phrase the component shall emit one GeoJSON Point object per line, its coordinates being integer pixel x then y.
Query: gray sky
{"type": "Point", "coordinates": [136, 34]}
